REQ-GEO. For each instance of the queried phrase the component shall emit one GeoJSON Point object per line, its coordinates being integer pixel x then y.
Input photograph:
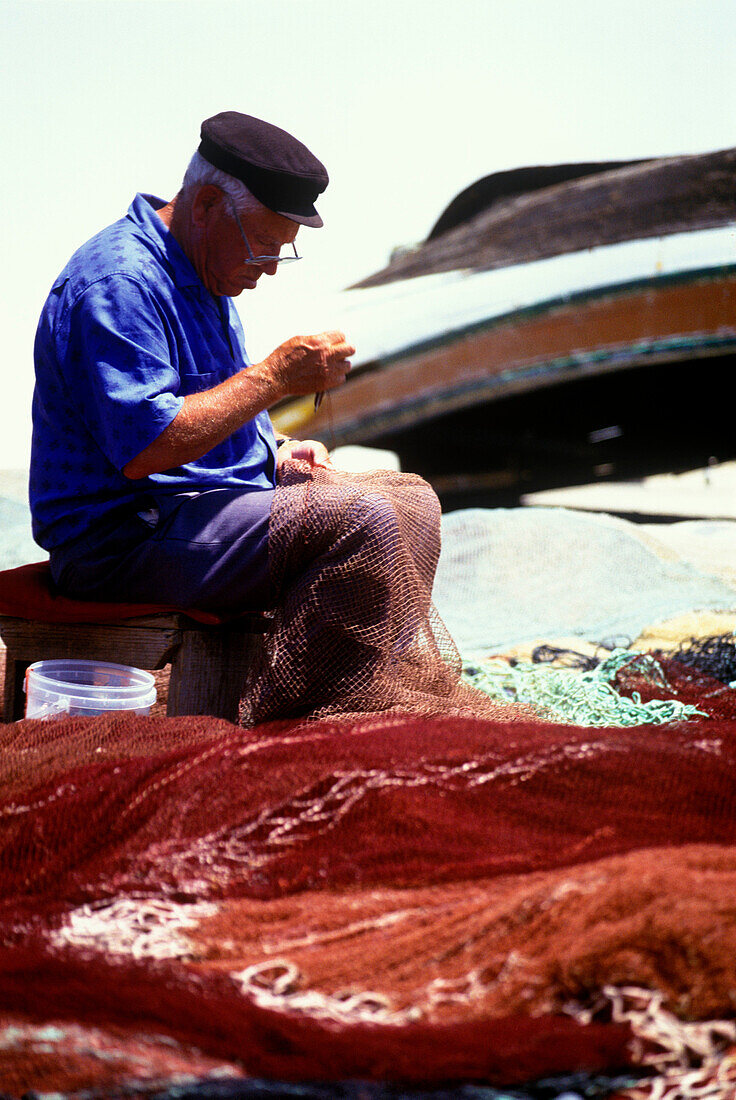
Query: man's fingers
{"type": "Point", "coordinates": [343, 351]}
{"type": "Point", "coordinates": [329, 345]}
{"type": "Point", "coordinates": [337, 378]}
{"type": "Point", "coordinates": [307, 450]}
{"type": "Point", "coordinates": [337, 344]}
{"type": "Point", "coordinates": [311, 364]}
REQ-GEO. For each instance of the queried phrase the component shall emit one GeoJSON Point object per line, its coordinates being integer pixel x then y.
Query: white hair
{"type": "Point", "coordinates": [200, 171]}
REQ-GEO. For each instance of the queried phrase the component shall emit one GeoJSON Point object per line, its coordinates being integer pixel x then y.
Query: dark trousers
{"type": "Point", "coordinates": [205, 550]}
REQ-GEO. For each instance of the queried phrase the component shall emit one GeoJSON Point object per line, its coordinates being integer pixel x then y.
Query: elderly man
{"type": "Point", "coordinates": [154, 460]}
{"type": "Point", "coordinates": [155, 473]}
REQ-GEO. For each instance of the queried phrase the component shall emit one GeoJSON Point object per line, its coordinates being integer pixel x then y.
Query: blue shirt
{"type": "Point", "coordinates": [126, 333]}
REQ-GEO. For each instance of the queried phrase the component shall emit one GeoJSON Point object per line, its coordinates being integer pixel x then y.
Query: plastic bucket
{"type": "Point", "coordinates": [86, 687]}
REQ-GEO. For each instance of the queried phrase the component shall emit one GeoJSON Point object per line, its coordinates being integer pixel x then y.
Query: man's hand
{"type": "Point", "coordinates": [310, 364]}
{"type": "Point", "coordinates": [304, 364]}
{"type": "Point", "coordinates": [307, 450]}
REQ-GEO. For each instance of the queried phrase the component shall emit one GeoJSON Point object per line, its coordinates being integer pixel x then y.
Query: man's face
{"type": "Point", "coordinates": [218, 250]}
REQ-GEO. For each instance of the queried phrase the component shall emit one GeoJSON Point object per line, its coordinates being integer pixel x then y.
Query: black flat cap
{"type": "Point", "coordinates": [274, 166]}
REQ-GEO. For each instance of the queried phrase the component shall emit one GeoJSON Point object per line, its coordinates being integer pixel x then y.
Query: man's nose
{"type": "Point", "coordinates": [270, 269]}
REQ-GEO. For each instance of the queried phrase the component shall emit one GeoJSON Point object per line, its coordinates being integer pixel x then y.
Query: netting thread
{"type": "Point", "coordinates": [714, 655]}
{"type": "Point", "coordinates": [584, 699]}
{"type": "Point", "coordinates": [689, 1058]}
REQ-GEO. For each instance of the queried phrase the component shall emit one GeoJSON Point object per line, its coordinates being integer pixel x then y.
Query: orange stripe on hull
{"type": "Point", "coordinates": [595, 335]}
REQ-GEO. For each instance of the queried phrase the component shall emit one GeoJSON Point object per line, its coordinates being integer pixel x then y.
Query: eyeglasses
{"type": "Point", "coordinates": [261, 261]}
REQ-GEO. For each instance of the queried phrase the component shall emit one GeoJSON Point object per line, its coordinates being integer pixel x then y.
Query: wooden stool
{"type": "Point", "coordinates": [209, 660]}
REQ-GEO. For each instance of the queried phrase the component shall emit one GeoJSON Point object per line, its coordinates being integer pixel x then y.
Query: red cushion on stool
{"type": "Point", "coordinates": [27, 592]}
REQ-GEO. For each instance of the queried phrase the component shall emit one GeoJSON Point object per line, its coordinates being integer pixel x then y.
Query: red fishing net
{"type": "Point", "coordinates": [396, 897]}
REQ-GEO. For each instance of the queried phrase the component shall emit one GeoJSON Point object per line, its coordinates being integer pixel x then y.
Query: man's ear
{"type": "Point", "coordinates": [207, 197]}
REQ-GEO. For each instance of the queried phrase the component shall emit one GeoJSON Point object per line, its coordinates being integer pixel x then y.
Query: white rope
{"type": "Point", "coordinates": [692, 1060]}
{"type": "Point", "coordinates": [274, 984]}
{"type": "Point", "coordinates": [144, 928]}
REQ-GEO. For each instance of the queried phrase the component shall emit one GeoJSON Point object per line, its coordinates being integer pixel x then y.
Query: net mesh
{"type": "Point", "coordinates": [714, 655]}
{"type": "Point", "coordinates": [508, 576]}
{"type": "Point", "coordinates": [354, 557]}
{"type": "Point", "coordinates": [389, 897]}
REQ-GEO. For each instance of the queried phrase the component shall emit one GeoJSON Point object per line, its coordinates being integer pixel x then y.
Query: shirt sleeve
{"type": "Point", "coordinates": [121, 365]}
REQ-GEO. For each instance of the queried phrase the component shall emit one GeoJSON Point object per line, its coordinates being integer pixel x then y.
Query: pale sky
{"type": "Point", "coordinates": [405, 101]}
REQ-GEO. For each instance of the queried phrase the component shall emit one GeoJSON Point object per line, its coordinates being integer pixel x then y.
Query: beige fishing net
{"type": "Point", "coordinates": [354, 557]}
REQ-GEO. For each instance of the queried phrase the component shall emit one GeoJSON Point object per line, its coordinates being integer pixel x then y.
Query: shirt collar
{"type": "Point", "coordinates": [142, 211]}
